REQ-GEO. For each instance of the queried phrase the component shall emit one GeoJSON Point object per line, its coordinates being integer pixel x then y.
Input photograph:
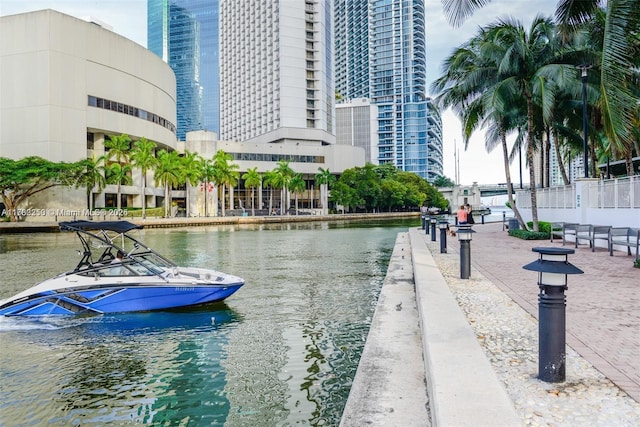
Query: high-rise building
{"type": "Point", "coordinates": [276, 71]}
{"type": "Point", "coordinates": [184, 33]}
{"type": "Point", "coordinates": [356, 125]}
{"type": "Point", "coordinates": [392, 73]}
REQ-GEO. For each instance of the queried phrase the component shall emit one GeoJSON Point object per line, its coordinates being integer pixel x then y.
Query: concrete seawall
{"type": "Point", "coordinates": [52, 226]}
{"type": "Point", "coordinates": [459, 383]}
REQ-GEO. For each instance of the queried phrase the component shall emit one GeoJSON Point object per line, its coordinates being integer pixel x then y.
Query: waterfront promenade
{"type": "Point", "coordinates": [499, 306]}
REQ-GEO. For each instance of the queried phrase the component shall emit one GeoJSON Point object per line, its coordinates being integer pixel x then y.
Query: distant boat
{"type": "Point", "coordinates": [142, 280]}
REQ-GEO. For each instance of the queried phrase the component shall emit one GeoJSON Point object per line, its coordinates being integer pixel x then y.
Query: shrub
{"type": "Point", "coordinates": [543, 226]}
{"type": "Point", "coordinates": [529, 235]}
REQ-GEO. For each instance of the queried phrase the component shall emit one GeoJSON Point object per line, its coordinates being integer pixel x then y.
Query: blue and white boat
{"type": "Point", "coordinates": [142, 280]}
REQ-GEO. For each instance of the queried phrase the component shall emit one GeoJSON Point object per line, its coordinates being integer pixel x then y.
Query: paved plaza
{"type": "Point", "coordinates": [603, 304]}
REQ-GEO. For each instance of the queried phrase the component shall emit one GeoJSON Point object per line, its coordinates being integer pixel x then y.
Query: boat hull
{"type": "Point", "coordinates": [117, 299]}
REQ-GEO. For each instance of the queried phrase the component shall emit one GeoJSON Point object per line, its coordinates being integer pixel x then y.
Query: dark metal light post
{"type": "Point", "coordinates": [464, 236]}
{"type": "Point", "coordinates": [553, 268]}
{"type": "Point", "coordinates": [424, 220]}
{"type": "Point", "coordinates": [585, 159]}
{"type": "Point", "coordinates": [442, 225]}
{"type": "Point", "coordinates": [433, 221]}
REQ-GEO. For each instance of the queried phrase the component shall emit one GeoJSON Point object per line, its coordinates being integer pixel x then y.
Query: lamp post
{"type": "Point", "coordinates": [552, 267]}
{"type": "Point", "coordinates": [464, 236]}
{"type": "Point", "coordinates": [433, 221]}
{"type": "Point", "coordinates": [585, 158]}
{"type": "Point", "coordinates": [442, 225]}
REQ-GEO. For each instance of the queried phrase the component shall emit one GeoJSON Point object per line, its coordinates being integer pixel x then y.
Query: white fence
{"type": "Point", "coordinates": [614, 202]}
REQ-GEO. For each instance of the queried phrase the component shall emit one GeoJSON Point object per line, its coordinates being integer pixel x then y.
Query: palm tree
{"type": "Point", "coordinates": [616, 71]}
{"type": "Point", "coordinates": [168, 173]}
{"type": "Point", "coordinates": [207, 173]}
{"type": "Point", "coordinates": [297, 185]}
{"type": "Point", "coordinates": [225, 173]}
{"type": "Point", "coordinates": [252, 179]}
{"type": "Point", "coordinates": [192, 174]}
{"type": "Point", "coordinates": [615, 65]}
{"type": "Point", "coordinates": [324, 178]}
{"type": "Point", "coordinates": [92, 176]}
{"type": "Point", "coordinates": [283, 175]}
{"type": "Point", "coordinates": [143, 157]}
{"type": "Point", "coordinates": [267, 181]}
{"type": "Point", "coordinates": [118, 150]}
{"type": "Point", "coordinates": [117, 173]}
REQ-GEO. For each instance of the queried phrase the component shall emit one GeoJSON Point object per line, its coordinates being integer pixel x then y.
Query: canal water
{"type": "Point", "coordinates": [282, 351]}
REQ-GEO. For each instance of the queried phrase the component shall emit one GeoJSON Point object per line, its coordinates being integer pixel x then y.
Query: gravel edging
{"type": "Point", "coordinates": [509, 337]}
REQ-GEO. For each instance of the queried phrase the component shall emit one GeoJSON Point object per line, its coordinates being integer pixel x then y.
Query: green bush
{"type": "Point", "coordinates": [529, 235]}
{"type": "Point", "coordinates": [149, 212]}
{"type": "Point", "coordinates": [543, 226]}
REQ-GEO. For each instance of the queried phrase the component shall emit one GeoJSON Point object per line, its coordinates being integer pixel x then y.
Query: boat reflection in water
{"type": "Point", "coordinates": [120, 369]}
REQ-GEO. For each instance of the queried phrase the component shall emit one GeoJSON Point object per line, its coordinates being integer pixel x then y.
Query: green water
{"type": "Point", "coordinates": [281, 351]}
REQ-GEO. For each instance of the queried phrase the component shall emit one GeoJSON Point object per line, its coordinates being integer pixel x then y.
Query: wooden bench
{"type": "Point", "coordinates": [624, 236]}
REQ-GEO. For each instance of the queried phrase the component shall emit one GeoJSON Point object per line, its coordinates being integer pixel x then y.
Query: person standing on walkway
{"type": "Point", "coordinates": [462, 215]}
{"type": "Point", "coordinates": [469, 214]}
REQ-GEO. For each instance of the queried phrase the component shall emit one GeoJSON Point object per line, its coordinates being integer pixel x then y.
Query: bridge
{"type": "Point", "coordinates": [487, 190]}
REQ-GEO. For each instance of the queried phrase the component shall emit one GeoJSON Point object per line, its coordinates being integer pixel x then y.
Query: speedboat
{"type": "Point", "coordinates": [118, 273]}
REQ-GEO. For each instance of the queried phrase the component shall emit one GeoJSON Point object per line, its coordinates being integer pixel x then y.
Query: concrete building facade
{"type": "Point", "coordinates": [357, 124]}
{"type": "Point", "coordinates": [67, 83]}
{"type": "Point", "coordinates": [276, 71]}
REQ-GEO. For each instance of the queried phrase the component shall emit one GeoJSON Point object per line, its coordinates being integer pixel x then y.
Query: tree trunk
{"type": "Point", "coordinates": [507, 173]}
{"type": "Point", "coordinates": [532, 174]}
{"type": "Point", "coordinates": [547, 158]}
{"type": "Point", "coordinates": [253, 208]}
{"type": "Point", "coordinates": [563, 171]}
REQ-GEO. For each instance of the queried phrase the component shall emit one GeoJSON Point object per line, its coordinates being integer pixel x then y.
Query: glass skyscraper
{"type": "Point", "coordinates": [392, 74]}
{"type": "Point", "coordinates": [184, 33]}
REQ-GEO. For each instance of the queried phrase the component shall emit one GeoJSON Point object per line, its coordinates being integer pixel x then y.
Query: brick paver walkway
{"type": "Point", "coordinates": [603, 304]}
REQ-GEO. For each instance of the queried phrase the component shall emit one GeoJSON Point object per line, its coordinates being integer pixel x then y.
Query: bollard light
{"type": "Point", "coordinates": [464, 236]}
{"type": "Point", "coordinates": [443, 225]}
{"type": "Point", "coordinates": [552, 267]}
{"type": "Point", "coordinates": [433, 220]}
{"type": "Point", "coordinates": [424, 221]}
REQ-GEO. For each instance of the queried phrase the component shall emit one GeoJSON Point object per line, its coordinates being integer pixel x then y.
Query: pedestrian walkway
{"type": "Point", "coordinates": [603, 304]}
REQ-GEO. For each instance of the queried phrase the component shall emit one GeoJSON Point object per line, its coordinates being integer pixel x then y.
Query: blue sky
{"type": "Point", "coordinates": [129, 18]}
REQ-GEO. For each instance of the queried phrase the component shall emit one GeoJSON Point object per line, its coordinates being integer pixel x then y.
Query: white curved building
{"type": "Point", "coordinates": [66, 83]}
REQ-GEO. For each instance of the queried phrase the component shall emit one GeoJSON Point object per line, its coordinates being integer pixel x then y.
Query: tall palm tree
{"type": "Point", "coordinates": [615, 65]}
{"type": "Point", "coordinates": [118, 150]}
{"type": "Point", "coordinates": [297, 185]}
{"type": "Point", "coordinates": [192, 174]}
{"type": "Point", "coordinates": [267, 181]}
{"type": "Point", "coordinates": [283, 173]}
{"type": "Point", "coordinates": [207, 174]}
{"type": "Point", "coordinates": [92, 176]}
{"type": "Point", "coordinates": [324, 178]}
{"type": "Point", "coordinates": [119, 174]}
{"type": "Point", "coordinates": [169, 174]}
{"type": "Point", "coordinates": [143, 157]}
{"type": "Point", "coordinates": [226, 173]}
{"type": "Point", "coordinates": [619, 48]}
{"type": "Point", "coordinates": [252, 179]}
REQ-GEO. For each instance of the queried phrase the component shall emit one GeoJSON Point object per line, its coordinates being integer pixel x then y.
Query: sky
{"type": "Point", "coordinates": [129, 18]}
